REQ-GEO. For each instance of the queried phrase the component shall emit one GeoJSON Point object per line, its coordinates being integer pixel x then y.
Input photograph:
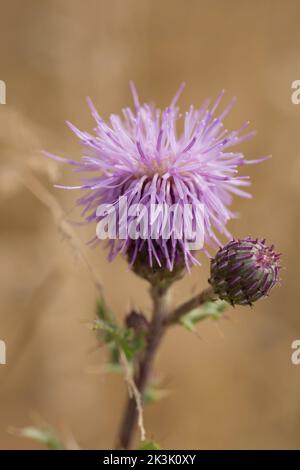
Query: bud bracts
{"type": "Point", "coordinates": [137, 321]}
{"type": "Point", "coordinates": [243, 271]}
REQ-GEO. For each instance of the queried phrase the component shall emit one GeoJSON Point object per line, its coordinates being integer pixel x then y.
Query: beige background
{"type": "Point", "coordinates": [233, 386]}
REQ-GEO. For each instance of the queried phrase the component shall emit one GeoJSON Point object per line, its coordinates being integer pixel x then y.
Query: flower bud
{"type": "Point", "coordinates": [243, 271]}
{"type": "Point", "coordinates": [158, 276]}
{"type": "Point", "coordinates": [137, 322]}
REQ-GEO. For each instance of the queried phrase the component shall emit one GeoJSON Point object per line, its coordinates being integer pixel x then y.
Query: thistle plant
{"type": "Point", "coordinates": [161, 198]}
{"type": "Point", "coordinates": [244, 271]}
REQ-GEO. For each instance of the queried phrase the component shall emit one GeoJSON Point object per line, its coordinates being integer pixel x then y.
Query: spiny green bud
{"type": "Point", "coordinates": [243, 271]}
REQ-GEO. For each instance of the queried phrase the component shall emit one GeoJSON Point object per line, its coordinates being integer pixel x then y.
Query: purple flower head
{"type": "Point", "coordinates": [142, 157]}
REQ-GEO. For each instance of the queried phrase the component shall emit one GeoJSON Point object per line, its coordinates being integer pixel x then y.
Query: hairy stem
{"type": "Point", "coordinates": [143, 372]}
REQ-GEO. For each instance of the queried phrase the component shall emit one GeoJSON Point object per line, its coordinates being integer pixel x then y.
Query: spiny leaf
{"type": "Point", "coordinates": [149, 445]}
{"type": "Point", "coordinates": [120, 337]}
{"type": "Point", "coordinates": [45, 436]}
{"type": "Point", "coordinates": [102, 311]}
{"type": "Point", "coordinates": [153, 394]}
{"type": "Point", "coordinates": [211, 310]}
{"type": "Point", "coordinates": [105, 316]}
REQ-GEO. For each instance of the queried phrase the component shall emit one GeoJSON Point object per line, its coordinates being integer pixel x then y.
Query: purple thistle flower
{"type": "Point", "coordinates": [243, 271]}
{"type": "Point", "coordinates": [141, 156]}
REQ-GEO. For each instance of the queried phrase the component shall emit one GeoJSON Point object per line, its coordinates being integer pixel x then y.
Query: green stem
{"type": "Point", "coordinates": [161, 320]}
{"type": "Point", "coordinates": [142, 376]}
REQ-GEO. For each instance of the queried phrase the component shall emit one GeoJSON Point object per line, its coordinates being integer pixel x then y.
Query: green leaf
{"type": "Point", "coordinates": [103, 312]}
{"type": "Point", "coordinates": [118, 337]}
{"type": "Point", "coordinates": [106, 317]}
{"type": "Point", "coordinates": [211, 310]}
{"type": "Point", "coordinates": [149, 445]}
{"type": "Point", "coordinates": [153, 394]}
{"type": "Point", "coordinates": [45, 436]}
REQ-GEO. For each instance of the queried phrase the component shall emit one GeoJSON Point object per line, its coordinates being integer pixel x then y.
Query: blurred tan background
{"type": "Point", "coordinates": [233, 386]}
